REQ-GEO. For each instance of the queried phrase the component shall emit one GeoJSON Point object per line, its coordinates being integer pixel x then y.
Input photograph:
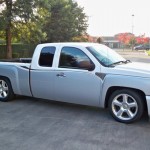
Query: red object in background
{"type": "Point", "coordinates": [139, 40]}
{"type": "Point", "coordinates": [125, 37]}
{"type": "Point", "coordinates": [142, 40]}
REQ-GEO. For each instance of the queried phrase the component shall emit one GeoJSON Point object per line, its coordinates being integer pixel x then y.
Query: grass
{"type": "Point", "coordinates": [148, 52]}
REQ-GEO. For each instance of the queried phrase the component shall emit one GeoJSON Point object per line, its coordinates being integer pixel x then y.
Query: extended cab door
{"type": "Point", "coordinates": [75, 79]}
{"type": "Point", "coordinates": [42, 72]}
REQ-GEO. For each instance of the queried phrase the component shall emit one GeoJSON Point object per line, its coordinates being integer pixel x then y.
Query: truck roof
{"type": "Point", "coordinates": [71, 44]}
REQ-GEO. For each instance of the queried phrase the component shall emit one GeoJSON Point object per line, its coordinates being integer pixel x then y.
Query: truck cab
{"type": "Point", "coordinates": [66, 72]}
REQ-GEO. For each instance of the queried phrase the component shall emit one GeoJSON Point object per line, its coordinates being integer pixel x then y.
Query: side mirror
{"type": "Point", "coordinates": [87, 65]}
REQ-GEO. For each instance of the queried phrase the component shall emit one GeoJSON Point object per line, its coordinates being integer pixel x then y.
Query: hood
{"type": "Point", "coordinates": [132, 69]}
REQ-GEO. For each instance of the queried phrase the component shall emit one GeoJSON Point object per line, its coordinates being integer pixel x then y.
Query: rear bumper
{"type": "Point", "coordinates": [148, 105]}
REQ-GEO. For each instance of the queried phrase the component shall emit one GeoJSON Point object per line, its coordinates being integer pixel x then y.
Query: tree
{"type": "Point", "coordinates": [100, 40]}
{"type": "Point", "coordinates": [142, 40]}
{"type": "Point", "coordinates": [14, 16]}
{"type": "Point", "coordinates": [66, 21]}
{"type": "Point", "coordinates": [127, 39]}
{"type": "Point", "coordinates": [36, 21]}
{"type": "Point", "coordinates": [29, 30]}
{"type": "Point", "coordinates": [5, 22]}
{"type": "Point", "coordinates": [83, 38]}
{"type": "Point", "coordinates": [8, 15]}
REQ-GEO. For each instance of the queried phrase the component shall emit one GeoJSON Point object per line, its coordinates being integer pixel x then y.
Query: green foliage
{"type": "Point", "coordinates": [15, 55]}
{"type": "Point", "coordinates": [132, 41]}
{"type": "Point", "coordinates": [148, 52]}
{"type": "Point", "coordinates": [80, 39]}
{"type": "Point", "coordinates": [2, 22]}
{"type": "Point", "coordinates": [32, 14]}
{"type": "Point", "coordinates": [66, 21]}
{"type": "Point", "coordinates": [36, 21]}
{"type": "Point", "coordinates": [28, 33]}
{"type": "Point", "coordinates": [19, 50]}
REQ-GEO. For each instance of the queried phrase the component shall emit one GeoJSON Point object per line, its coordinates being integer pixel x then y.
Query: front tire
{"type": "Point", "coordinates": [126, 105]}
{"type": "Point", "coordinates": [6, 92]}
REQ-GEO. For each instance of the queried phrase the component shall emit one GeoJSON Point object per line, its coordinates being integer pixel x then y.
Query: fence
{"type": "Point", "coordinates": [19, 51]}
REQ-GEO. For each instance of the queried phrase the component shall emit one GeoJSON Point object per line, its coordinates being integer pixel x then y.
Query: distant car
{"type": "Point", "coordinates": [147, 47]}
{"type": "Point", "coordinates": [142, 47]}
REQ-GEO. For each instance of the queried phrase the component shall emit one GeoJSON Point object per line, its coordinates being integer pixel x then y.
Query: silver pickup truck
{"type": "Point", "coordinates": [81, 73]}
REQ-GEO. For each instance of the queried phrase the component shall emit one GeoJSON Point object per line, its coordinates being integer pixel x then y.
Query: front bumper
{"type": "Point", "coordinates": [148, 105]}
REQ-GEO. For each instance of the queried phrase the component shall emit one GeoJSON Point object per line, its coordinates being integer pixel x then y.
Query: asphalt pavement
{"type": "Point", "coordinates": [36, 124]}
{"type": "Point", "coordinates": [136, 56]}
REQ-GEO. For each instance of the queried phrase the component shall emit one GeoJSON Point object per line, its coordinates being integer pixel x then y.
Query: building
{"type": "Point", "coordinates": [111, 42]}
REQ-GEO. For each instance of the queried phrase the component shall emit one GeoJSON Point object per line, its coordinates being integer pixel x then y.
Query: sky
{"type": "Point", "coordinates": [109, 17]}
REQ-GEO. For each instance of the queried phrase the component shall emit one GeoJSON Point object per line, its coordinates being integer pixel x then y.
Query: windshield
{"type": "Point", "coordinates": [105, 55]}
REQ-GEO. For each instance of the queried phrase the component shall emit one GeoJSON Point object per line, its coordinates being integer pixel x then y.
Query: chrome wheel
{"type": "Point", "coordinates": [3, 89]}
{"type": "Point", "coordinates": [124, 107]}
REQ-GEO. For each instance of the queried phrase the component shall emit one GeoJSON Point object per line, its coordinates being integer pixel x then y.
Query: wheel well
{"type": "Point", "coordinates": [6, 78]}
{"type": "Point", "coordinates": [114, 88]}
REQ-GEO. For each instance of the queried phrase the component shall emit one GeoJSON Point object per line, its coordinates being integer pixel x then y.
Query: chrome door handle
{"type": "Point", "coordinates": [61, 75]}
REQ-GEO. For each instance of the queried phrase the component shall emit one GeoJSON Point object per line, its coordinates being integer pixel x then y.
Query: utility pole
{"type": "Point", "coordinates": [132, 30]}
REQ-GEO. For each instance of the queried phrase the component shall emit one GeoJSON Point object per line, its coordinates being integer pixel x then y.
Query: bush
{"type": "Point", "coordinates": [19, 50]}
{"type": "Point", "coordinates": [15, 55]}
{"type": "Point", "coordinates": [148, 52]}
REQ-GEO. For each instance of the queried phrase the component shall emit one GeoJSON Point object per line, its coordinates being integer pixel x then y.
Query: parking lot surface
{"type": "Point", "coordinates": [137, 56]}
{"type": "Point", "coordinates": [36, 124]}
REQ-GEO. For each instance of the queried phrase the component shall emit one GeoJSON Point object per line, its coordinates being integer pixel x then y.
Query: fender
{"type": "Point", "coordinates": [110, 80]}
{"type": "Point", "coordinates": [19, 78]}
{"type": "Point", "coordinates": [11, 73]}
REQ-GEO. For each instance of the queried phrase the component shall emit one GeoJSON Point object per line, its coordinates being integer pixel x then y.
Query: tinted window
{"type": "Point", "coordinates": [73, 58]}
{"type": "Point", "coordinates": [46, 56]}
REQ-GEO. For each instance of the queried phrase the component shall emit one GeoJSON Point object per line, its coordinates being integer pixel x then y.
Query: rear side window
{"type": "Point", "coordinates": [46, 56]}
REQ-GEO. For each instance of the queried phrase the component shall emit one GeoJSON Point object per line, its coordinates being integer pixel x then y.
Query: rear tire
{"type": "Point", "coordinates": [6, 91]}
{"type": "Point", "coordinates": [126, 106]}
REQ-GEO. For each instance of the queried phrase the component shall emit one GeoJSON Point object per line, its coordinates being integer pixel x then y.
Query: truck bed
{"type": "Point", "coordinates": [17, 60]}
{"type": "Point", "coordinates": [23, 62]}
